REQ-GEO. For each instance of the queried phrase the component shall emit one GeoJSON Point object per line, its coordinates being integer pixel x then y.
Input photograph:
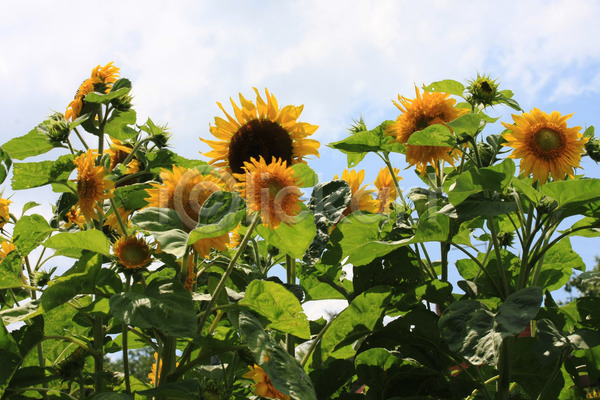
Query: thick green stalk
{"type": "Point", "coordinates": [98, 331]}
{"type": "Point", "coordinates": [504, 367]}
{"type": "Point", "coordinates": [291, 279]}
{"type": "Point", "coordinates": [126, 344]}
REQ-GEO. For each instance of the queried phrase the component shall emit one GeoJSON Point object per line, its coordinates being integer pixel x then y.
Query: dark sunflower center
{"type": "Point", "coordinates": [259, 138]}
{"type": "Point", "coordinates": [548, 139]}
{"type": "Point", "coordinates": [485, 87]}
{"type": "Point", "coordinates": [423, 123]}
{"type": "Point", "coordinates": [135, 254]}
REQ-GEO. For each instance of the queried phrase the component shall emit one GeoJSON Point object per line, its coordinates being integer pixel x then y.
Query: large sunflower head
{"type": "Point", "coordinates": [92, 184]}
{"type": "Point", "coordinates": [261, 130]}
{"type": "Point", "coordinates": [263, 386]}
{"type": "Point", "coordinates": [386, 189]}
{"type": "Point", "coordinates": [271, 188]}
{"type": "Point", "coordinates": [417, 114]}
{"type": "Point", "coordinates": [545, 144]}
{"type": "Point", "coordinates": [4, 213]}
{"type": "Point", "coordinates": [362, 198]}
{"type": "Point", "coordinates": [100, 80]}
{"type": "Point", "coordinates": [185, 190]}
{"type": "Point", "coordinates": [132, 252]}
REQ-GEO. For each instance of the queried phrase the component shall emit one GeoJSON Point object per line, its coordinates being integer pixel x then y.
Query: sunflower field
{"type": "Point", "coordinates": [146, 249]}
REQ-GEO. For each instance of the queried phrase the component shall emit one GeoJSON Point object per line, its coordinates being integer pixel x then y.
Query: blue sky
{"type": "Point", "coordinates": [341, 59]}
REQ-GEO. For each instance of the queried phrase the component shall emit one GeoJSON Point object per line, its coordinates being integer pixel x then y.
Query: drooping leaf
{"type": "Point", "coordinates": [165, 304]}
{"type": "Point", "coordinates": [517, 310]}
{"type": "Point", "coordinates": [132, 197]}
{"type": "Point", "coordinates": [279, 305]}
{"type": "Point", "coordinates": [446, 86]}
{"type": "Point", "coordinates": [494, 178]}
{"type": "Point", "coordinates": [10, 356]}
{"type": "Point", "coordinates": [559, 262]}
{"type": "Point", "coordinates": [105, 98]}
{"type": "Point", "coordinates": [219, 215]}
{"type": "Point", "coordinates": [572, 193]}
{"type": "Point", "coordinates": [306, 175]}
{"type": "Point", "coordinates": [91, 240]}
{"type": "Point", "coordinates": [284, 371]}
{"type": "Point", "coordinates": [32, 144]}
{"type": "Point", "coordinates": [434, 135]}
{"type": "Point", "coordinates": [30, 231]}
{"type": "Point", "coordinates": [118, 123]}
{"type": "Point", "coordinates": [36, 174]}
{"type": "Point", "coordinates": [166, 226]}
{"type": "Point", "coordinates": [292, 238]}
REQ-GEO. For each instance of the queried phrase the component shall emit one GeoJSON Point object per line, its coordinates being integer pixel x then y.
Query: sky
{"type": "Point", "coordinates": [340, 59]}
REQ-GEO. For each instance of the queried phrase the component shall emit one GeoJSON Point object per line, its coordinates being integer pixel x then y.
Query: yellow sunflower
{"type": "Point", "coordinates": [545, 144]}
{"type": "Point", "coordinates": [261, 130]}
{"type": "Point", "coordinates": [5, 248]}
{"type": "Point", "coordinates": [4, 213]}
{"type": "Point", "coordinates": [271, 188]}
{"type": "Point", "coordinates": [92, 184]}
{"type": "Point", "coordinates": [101, 80]}
{"type": "Point", "coordinates": [362, 198]}
{"type": "Point", "coordinates": [263, 386]}
{"type": "Point", "coordinates": [417, 114]}
{"type": "Point", "coordinates": [386, 189]}
{"type": "Point", "coordinates": [152, 374]}
{"type": "Point", "coordinates": [118, 152]}
{"type": "Point", "coordinates": [185, 190]}
{"type": "Point", "coordinates": [132, 252]}
{"type": "Point", "coordinates": [74, 216]}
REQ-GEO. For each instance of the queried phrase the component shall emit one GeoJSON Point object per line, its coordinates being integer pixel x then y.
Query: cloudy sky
{"type": "Point", "coordinates": [341, 59]}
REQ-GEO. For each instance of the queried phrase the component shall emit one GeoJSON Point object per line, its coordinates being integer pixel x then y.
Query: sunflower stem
{"type": "Point", "coordinates": [228, 271]}
{"type": "Point", "coordinates": [126, 344]}
{"type": "Point", "coordinates": [290, 264]}
{"type": "Point", "coordinates": [136, 147]}
{"type": "Point", "coordinates": [85, 146]}
{"type": "Point", "coordinates": [113, 204]}
{"type": "Point", "coordinates": [98, 331]}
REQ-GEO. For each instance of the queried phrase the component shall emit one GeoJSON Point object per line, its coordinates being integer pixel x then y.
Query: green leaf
{"type": "Point", "coordinates": [187, 389]}
{"type": "Point", "coordinates": [32, 144]}
{"type": "Point", "coordinates": [10, 271]}
{"type": "Point", "coordinates": [524, 186]}
{"type": "Point", "coordinates": [166, 226]}
{"type": "Point", "coordinates": [30, 231]}
{"type": "Point", "coordinates": [36, 174]}
{"type": "Point", "coordinates": [10, 356]}
{"type": "Point", "coordinates": [559, 262]}
{"type": "Point", "coordinates": [21, 313]}
{"type": "Point", "coordinates": [117, 125]}
{"type": "Point", "coordinates": [306, 175]}
{"type": "Point", "coordinates": [434, 135]}
{"type": "Point", "coordinates": [284, 371]}
{"type": "Point", "coordinates": [494, 178]}
{"type": "Point", "coordinates": [105, 98]}
{"type": "Point", "coordinates": [356, 321]}
{"type": "Point", "coordinates": [112, 396]}
{"type": "Point", "coordinates": [132, 197]}
{"type": "Point", "coordinates": [434, 291]}
{"type": "Point", "coordinates": [446, 86]}
{"type": "Point", "coordinates": [573, 192]}
{"type": "Point", "coordinates": [165, 304]}
{"type": "Point", "coordinates": [466, 126]}
{"type": "Point", "coordinates": [517, 310]}
{"type": "Point", "coordinates": [279, 305]}
{"type": "Point", "coordinates": [355, 234]}
{"type": "Point", "coordinates": [293, 238]}
{"type": "Point", "coordinates": [219, 215]}
{"type": "Point", "coordinates": [479, 206]}
{"type": "Point", "coordinates": [91, 240]}
{"type": "Point", "coordinates": [29, 205]}
{"type": "Point", "coordinates": [80, 279]}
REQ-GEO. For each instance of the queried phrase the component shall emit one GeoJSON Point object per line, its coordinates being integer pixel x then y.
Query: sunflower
{"type": "Point", "coordinates": [118, 152]}
{"type": "Point", "coordinates": [185, 190]}
{"type": "Point", "coordinates": [101, 80]}
{"type": "Point", "coordinates": [92, 184]}
{"type": "Point", "coordinates": [362, 198]}
{"type": "Point", "coordinates": [5, 248]}
{"type": "Point", "coordinates": [386, 189]}
{"type": "Point", "coordinates": [261, 130]}
{"type": "Point", "coordinates": [417, 114]}
{"type": "Point", "coordinates": [152, 374]}
{"type": "Point", "coordinates": [74, 216]}
{"type": "Point", "coordinates": [263, 386]}
{"type": "Point", "coordinates": [545, 144]}
{"type": "Point", "coordinates": [132, 252]}
{"type": "Point", "coordinates": [4, 214]}
{"type": "Point", "coordinates": [271, 188]}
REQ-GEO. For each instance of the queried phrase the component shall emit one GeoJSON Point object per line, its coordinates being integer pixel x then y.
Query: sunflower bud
{"type": "Point", "coordinates": [506, 239]}
{"type": "Point", "coordinates": [122, 103]}
{"type": "Point", "coordinates": [358, 125]}
{"type": "Point", "coordinates": [213, 391]}
{"type": "Point", "coordinates": [547, 205]}
{"type": "Point", "coordinates": [71, 367]}
{"type": "Point", "coordinates": [56, 128]}
{"type": "Point", "coordinates": [593, 149]}
{"type": "Point", "coordinates": [482, 91]}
